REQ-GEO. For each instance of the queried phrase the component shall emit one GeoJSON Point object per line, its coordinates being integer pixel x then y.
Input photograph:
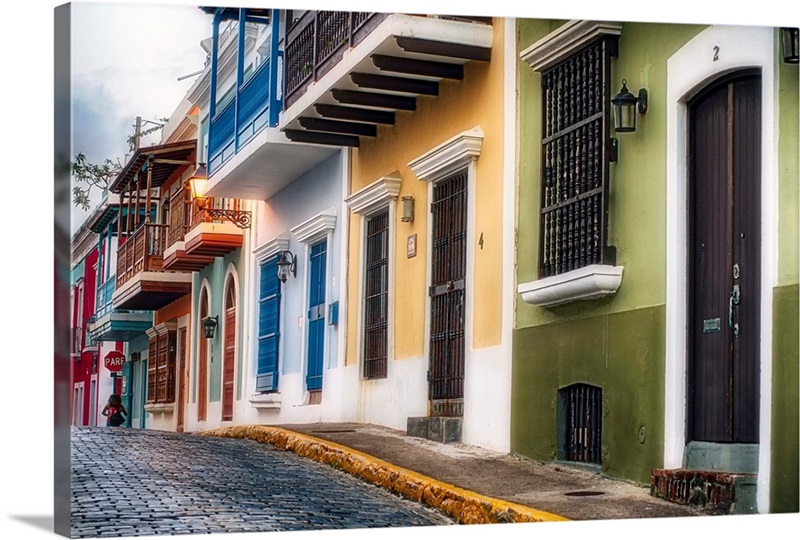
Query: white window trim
{"type": "Point", "coordinates": [449, 157]}
{"type": "Point", "coordinates": [565, 41]}
{"type": "Point", "coordinates": [316, 229]}
{"type": "Point", "coordinates": [374, 198]}
{"type": "Point", "coordinates": [271, 248]}
{"type": "Point", "coordinates": [587, 283]}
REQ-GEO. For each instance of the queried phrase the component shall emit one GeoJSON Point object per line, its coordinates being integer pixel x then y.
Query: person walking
{"type": "Point", "coordinates": [114, 410]}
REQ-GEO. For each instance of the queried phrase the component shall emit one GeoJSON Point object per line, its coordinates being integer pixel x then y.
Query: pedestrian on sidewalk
{"type": "Point", "coordinates": [114, 410]}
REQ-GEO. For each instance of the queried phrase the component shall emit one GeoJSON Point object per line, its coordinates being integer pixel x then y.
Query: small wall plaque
{"type": "Point", "coordinates": [711, 325]}
{"type": "Point", "coordinates": [411, 246]}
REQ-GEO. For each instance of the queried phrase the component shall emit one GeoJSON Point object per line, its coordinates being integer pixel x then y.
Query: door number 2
{"type": "Point", "coordinates": [716, 53]}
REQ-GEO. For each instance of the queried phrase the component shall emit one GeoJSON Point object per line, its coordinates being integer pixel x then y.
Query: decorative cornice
{"type": "Point", "coordinates": [271, 248]}
{"type": "Point", "coordinates": [317, 227]}
{"type": "Point", "coordinates": [374, 197]}
{"type": "Point", "coordinates": [566, 40]}
{"type": "Point", "coordinates": [448, 157]}
{"type": "Point", "coordinates": [161, 329]}
{"type": "Point", "coordinates": [587, 283]}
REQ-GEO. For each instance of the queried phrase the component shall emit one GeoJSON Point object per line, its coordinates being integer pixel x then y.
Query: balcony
{"type": "Point", "coordinates": [197, 233]}
{"type": "Point", "coordinates": [347, 72]}
{"type": "Point", "coordinates": [142, 281]}
{"type": "Point", "coordinates": [248, 157]}
{"type": "Point", "coordinates": [109, 324]}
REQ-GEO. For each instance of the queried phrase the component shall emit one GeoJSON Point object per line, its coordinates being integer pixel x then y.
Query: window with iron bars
{"type": "Point", "coordinates": [576, 150]}
{"type": "Point", "coordinates": [376, 291]}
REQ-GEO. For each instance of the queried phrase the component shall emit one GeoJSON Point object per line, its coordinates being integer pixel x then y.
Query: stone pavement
{"type": "Point", "coordinates": [130, 482]}
{"type": "Point", "coordinates": [471, 484]}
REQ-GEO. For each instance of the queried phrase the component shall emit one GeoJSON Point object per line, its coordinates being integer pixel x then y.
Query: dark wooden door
{"type": "Point", "coordinates": [447, 292]}
{"type": "Point", "coordinates": [182, 381]}
{"type": "Point", "coordinates": [724, 261]}
{"type": "Point", "coordinates": [227, 363]}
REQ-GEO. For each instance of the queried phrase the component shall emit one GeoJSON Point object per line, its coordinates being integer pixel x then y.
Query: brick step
{"type": "Point", "coordinates": [715, 491]}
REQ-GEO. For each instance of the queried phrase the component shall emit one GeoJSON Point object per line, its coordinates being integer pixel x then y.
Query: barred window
{"type": "Point", "coordinates": [576, 150]}
{"type": "Point", "coordinates": [376, 292]}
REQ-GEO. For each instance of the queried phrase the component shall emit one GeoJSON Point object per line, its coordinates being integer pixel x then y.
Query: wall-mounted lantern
{"type": "Point", "coordinates": [790, 39]}
{"type": "Point", "coordinates": [209, 326]}
{"type": "Point", "coordinates": [286, 265]}
{"type": "Point", "coordinates": [198, 184]}
{"type": "Point", "coordinates": [625, 105]}
{"type": "Point", "coordinates": [407, 215]}
{"type": "Point", "coordinates": [135, 356]}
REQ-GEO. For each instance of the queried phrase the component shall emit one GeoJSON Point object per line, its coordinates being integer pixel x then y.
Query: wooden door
{"type": "Point", "coordinates": [724, 261]}
{"type": "Point", "coordinates": [447, 292]}
{"type": "Point", "coordinates": [316, 316]}
{"type": "Point", "coordinates": [182, 381]}
{"type": "Point", "coordinates": [229, 353]}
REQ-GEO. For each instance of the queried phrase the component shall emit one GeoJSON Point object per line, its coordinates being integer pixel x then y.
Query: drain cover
{"type": "Point", "coordinates": [584, 493]}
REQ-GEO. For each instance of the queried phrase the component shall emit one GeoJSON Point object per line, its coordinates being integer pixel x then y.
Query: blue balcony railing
{"type": "Point", "coordinates": [255, 106]}
{"type": "Point", "coordinates": [104, 293]}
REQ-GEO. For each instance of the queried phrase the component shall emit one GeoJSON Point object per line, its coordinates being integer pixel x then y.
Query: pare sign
{"type": "Point", "coordinates": [114, 361]}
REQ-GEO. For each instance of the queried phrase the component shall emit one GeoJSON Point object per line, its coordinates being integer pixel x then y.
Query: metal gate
{"type": "Point", "coordinates": [447, 291]}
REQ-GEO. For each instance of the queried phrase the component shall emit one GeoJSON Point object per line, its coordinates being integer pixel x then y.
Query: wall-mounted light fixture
{"type": "Point", "coordinates": [790, 39]}
{"type": "Point", "coordinates": [625, 105]}
{"type": "Point", "coordinates": [135, 356]}
{"type": "Point", "coordinates": [286, 265]}
{"type": "Point", "coordinates": [407, 215]}
{"type": "Point", "coordinates": [197, 184]}
{"type": "Point", "coordinates": [209, 325]}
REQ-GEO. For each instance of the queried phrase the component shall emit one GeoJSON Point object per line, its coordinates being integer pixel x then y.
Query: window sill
{"type": "Point", "coordinates": [266, 401]}
{"type": "Point", "coordinates": [159, 407]}
{"type": "Point", "coordinates": [588, 283]}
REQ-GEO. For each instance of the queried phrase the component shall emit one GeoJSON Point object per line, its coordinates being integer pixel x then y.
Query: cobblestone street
{"type": "Point", "coordinates": [128, 482]}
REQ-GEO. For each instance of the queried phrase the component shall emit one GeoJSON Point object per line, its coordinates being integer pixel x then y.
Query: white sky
{"type": "Point", "coordinates": [126, 61]}
{"type": "Point", "coordinates": [26, 402]}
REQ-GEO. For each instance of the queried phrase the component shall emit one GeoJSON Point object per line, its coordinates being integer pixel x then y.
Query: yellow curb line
{"type": "Point", "coordinates": [464, 506]}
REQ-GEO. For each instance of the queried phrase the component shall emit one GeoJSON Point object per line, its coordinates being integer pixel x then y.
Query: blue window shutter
{"type": "Point", "coordinates": [269, 317]}
{"type": "Point", "coordinates": [316, 317]}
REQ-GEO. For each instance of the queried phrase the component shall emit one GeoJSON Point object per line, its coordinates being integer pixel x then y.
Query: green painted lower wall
{"type": "Point", "coordinates": [622, 353]}
{"type": "Point", "coordinates": [784, 478]}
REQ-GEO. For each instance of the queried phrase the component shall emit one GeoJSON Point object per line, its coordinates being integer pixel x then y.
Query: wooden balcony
{"type": "Point", "coordinates": [348, 72]}
{"type": "Point", "coordinates": [199, 234]}
{"type": "Point", "coordinates": [109, 324]}
{"type": "Point", "coordinates": [142, 281]}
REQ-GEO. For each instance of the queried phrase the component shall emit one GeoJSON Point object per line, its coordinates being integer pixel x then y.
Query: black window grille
{"type": "Point", "coordinates": [376, 296]}
{"type": "Point", "coordinates": [576, 150]}
{"type": "Point", "coordinates": [583, 407]}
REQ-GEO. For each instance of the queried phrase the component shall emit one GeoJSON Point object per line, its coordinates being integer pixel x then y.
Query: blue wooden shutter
{"type": "Point", "coordinates": [316, 317]}
{"type": "Point", "coordinates": [269, 317]}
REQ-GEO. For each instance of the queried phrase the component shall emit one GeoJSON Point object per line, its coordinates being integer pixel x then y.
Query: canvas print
{"type": "Point", "coordinates": [334, 269]}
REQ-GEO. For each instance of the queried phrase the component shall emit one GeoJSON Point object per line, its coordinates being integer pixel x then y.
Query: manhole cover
{"type": "Point", "coordinates": [334, 431]}
{"type": "Point", "coordinates": [584, 493]}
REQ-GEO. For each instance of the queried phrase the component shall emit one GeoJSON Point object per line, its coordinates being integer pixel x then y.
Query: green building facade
{"type": "Point", "coordinates": [600, 362]}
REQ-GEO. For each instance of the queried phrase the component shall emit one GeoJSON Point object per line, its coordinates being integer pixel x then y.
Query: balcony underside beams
{"type": "Point", "coordinates": [149, 291]}
{"type": "Point", "coordinates": [402, 60]}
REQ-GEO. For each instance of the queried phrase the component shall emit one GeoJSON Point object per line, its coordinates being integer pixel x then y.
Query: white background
{"type": "Point", "coordinates": [26, 138]}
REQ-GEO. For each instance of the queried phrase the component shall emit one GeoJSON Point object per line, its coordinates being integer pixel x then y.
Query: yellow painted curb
{"type": "Point", "coordinates": [464, 506]}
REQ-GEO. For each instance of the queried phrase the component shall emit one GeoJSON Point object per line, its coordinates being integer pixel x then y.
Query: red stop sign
{"type": "Point", "coordinates": [114, 361]}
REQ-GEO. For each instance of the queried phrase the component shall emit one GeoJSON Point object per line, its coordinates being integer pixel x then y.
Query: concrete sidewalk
{"type": "Point", "coordinates": [471, 484]}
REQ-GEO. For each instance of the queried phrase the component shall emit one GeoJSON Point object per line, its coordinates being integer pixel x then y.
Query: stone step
{"type": "Point", "coordinates": [719, 492]}
{"type": "Point", "coordinates": [443, 429]}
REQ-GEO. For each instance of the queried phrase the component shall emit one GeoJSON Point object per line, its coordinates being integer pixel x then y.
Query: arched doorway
{"type": "Point", "coordinates": [229, 348]}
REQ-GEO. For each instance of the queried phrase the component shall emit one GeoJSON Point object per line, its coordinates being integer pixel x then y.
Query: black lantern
{"type": "Point", "coordinates": [790, 38]}
{"type": "Point", "coordinates": [287, 263]}
{"type": "Point", "coordinates": [209, 325]}
{"type": "Point", "coordinates": [624, 108]}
